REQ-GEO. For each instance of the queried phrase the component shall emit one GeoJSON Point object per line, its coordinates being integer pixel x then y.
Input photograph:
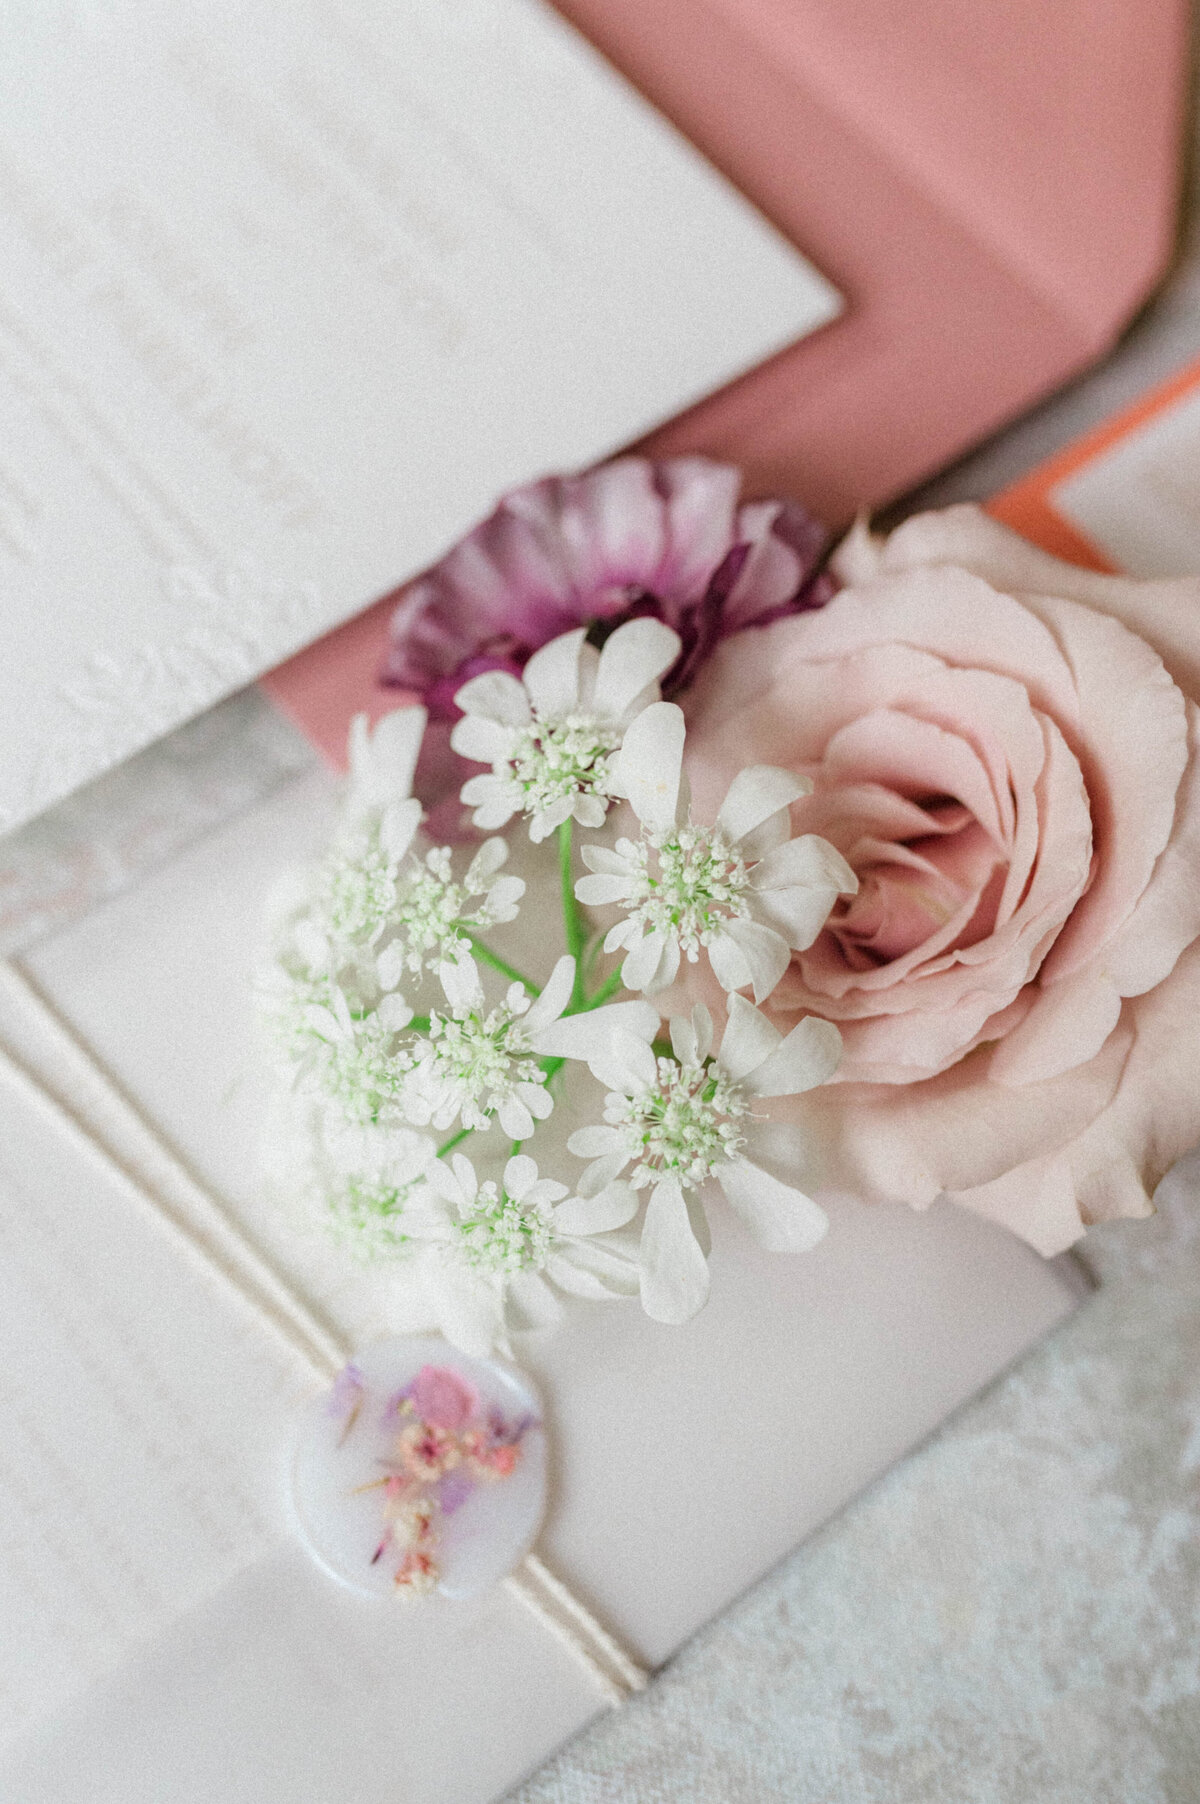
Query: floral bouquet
{"type": "Point", "coordinates": [783, 879]}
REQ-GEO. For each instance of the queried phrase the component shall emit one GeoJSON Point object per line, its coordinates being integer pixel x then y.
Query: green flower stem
{"type": "Point", "coordinates": [454, 1140]}
{"type": "Point", "coordinates": [489, 957]}
{"type": "Point", "coordinates": [662, 1049]}
{"type": "Point", "coordinates": [572, 919]}
{"type": "Point", "coordinates": [418, 1025]}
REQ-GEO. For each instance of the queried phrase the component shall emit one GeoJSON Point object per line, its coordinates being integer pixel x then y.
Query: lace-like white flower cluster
{"type": "Point", "coordinates": [403, 1031]}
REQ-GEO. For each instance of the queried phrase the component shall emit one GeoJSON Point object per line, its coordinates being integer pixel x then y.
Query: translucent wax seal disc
{"type": "Point", "coordinates": [422, 1470]}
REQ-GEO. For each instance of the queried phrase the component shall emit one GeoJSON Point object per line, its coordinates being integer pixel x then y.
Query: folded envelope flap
{"type": "Point", "coordinates": [1037, 127]}
{"type": "Point", "coordinates": [993, 189]}
{"type": "Point", "coordinates": [684, 1462]}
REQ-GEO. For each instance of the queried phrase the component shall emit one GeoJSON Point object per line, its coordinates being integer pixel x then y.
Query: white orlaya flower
{"type": "Point", "coordinates": [550, 735]}
{"type": "Point", "coordinates": [742, 889]}
{"type": "Point", "coordinates": [367, 1176]}
{"type": "Point", "coordinates": [432, 915]}
{"type": "Point", "coordinates": [355, 1063]}
{"type": "Point", "coordinates": [482, 1062]}
{"type": "Point", "coordinates": [355, 890]}
{"type": "Point", "coordinates": [382, 763]}
{"type": "Point", "coordinates": [671, 1124]}
{"type": "Point", "coordinates": [495, 1254]}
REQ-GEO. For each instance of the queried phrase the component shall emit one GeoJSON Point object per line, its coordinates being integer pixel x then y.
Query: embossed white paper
{"type": "Point", "coordinates": [288, 295]}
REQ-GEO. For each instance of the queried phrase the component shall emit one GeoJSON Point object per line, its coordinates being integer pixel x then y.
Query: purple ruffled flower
{"type": "Point", "coordinates": [630, 538]}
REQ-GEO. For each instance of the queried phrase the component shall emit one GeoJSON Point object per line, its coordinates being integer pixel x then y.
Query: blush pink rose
{"type": "Point", "coordinates": [1004, 747]}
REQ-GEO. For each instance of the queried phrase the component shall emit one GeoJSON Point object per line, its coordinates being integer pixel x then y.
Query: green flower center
{"type": "Point", "coordinates": [686, 1124]}
{"type": "Point", "coordinates": [701, 883]}
{"type": "Point", "coordinates": [500, 1236]}
{"type": "Point", "coordinates": [553, 759]}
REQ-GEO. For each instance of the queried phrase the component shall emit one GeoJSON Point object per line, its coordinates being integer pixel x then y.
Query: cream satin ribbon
{"type": "Point", "coordinates": [89, 1107]}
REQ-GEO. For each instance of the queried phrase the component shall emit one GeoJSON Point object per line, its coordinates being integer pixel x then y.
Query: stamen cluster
{"type": "Point", "coordinates": [502, 1236]}
{"type": "Point", "coordinates": [551, 760]}
{"type": "Point", "coordinates": [699, 884]}
{"type": "Point", "coordinates": [684, 1124]}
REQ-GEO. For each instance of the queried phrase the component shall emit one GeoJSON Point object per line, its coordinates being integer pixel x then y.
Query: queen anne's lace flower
{"type": "Point", "coordinates": [489, 1252]}
{"type": "Point", "coordinates": [482, 1061]}
{"type": "Point", "coordinates": [356, 1064]}
{"type": "Point", "coordinates": [741, 889]}
{"type": "Point", "coordinates": [376, 897]}
{"type": "Point", "coordinates": [551, 735]}
{"type": "Point", "coordinates": [432, 916]}
{"type": "Point", "coordinates": [673, 1123]}
{"type": "Point", "coordinates": [374, 1085]}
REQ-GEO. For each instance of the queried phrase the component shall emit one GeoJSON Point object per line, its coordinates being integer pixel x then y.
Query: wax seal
{"type": "Point", "coordinates": [422, 1470]}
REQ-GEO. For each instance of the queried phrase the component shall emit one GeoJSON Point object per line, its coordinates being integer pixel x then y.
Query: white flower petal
{"type": "Point", "coordinates": [765, 952]}
{"type": "Point", "coordinates": [489, 858]}
{"type": "Point", "coordinates": [589, 810]}
{"type": "Point", "coordinates": [729, 964]}
{"type": "Point", "coordinates": [520, 1175]}
{"type": "Point", "coordinates": [632, 658]}
{"type": "Point", "coordinates": [393, 1013]}
{"type": "Point", "coordinates": [601, 1172]}
{"type": "Point", "coordinates": [775, 831]}
{"type": "Point", "coordinates": [502, 899]}
{"type": "Point", "coordinates": [554, 997]}
{"type": "Point", "coordinates": [492, 798]}
{"type": "Point", "coordinates": [398, 828]}
{"type": "Point", "coordinates": [460, 980]}
{"type": "Point", "coordinates": [683, 1039]}
{"type": "Point", "coordinates": [551, 676]}
{"type": "Point", "coordinates": [382, 760]}
{"type": "Point", "coordinates": [624, 934]}
{"type": "Point", "coordinates": [749, 1038]}
{"type": "Point", "coordinates": [514, 1118]}
{"type": "Point", "coordinates": [755, 794]}
{"type": "Point", "coordinates": [631, 1060]}
{"type": "Point", "coordinates": [602, 888]}
{"type": "Point", "coordinates": [431, 1217]}
{"type": "Point", "coordinates": [674, 1271]}
{"type": "Point", "coordinates": [389, 966]}
{"type": "Point", "coordinates": [589, 664]}
{"type": "Point", "coordinates": [797, 915]}
{"type": "Point", "coordinates": [808, 1056]}
{"type": "Point", "coordinates": [808, 859]}
{"type": "Point", "coordinates": [781, 1218]}
{"type": "Point", "coordinates": [479, 737]}
{"type": "Point", "coordinates": [603, 858]}
{"type": "Point", "coordinates": [649, 765]}
{"type": "Point", "coordinates": [544, 1194]}
{"type": "Point", "coordinates": [530, 1304]}
{"type": "Point", "coordinates": [537, 1100]}
{"type": "Point", "coordinates": [498, 695]}
{"type": "Point", "coordinates": [590, 1034]}
{"type": "Point", "coordinates": [668, 967]}
{"type": "Point", "coordinates": [582, 1273]}
{"type": "Point", "coordinates": [594, 1142]}
{"type": "Point", "coordinates": [610, 1208]}
{"type": "Point", "coordinates": [548, 820]}
{"type": "Point", "coordinates": [446, 1184]}
{"type": "Point", "coordinates": [642, 965]}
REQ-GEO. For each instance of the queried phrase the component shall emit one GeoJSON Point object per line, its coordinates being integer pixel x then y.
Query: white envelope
{"type": "Point", "coordinates": [685, 1461]}
{"type": "Point", "coordinates": [289, 294]}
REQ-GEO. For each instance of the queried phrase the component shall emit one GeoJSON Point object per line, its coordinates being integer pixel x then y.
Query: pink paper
{"type": "Point", "coordinates": [993, 188]}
